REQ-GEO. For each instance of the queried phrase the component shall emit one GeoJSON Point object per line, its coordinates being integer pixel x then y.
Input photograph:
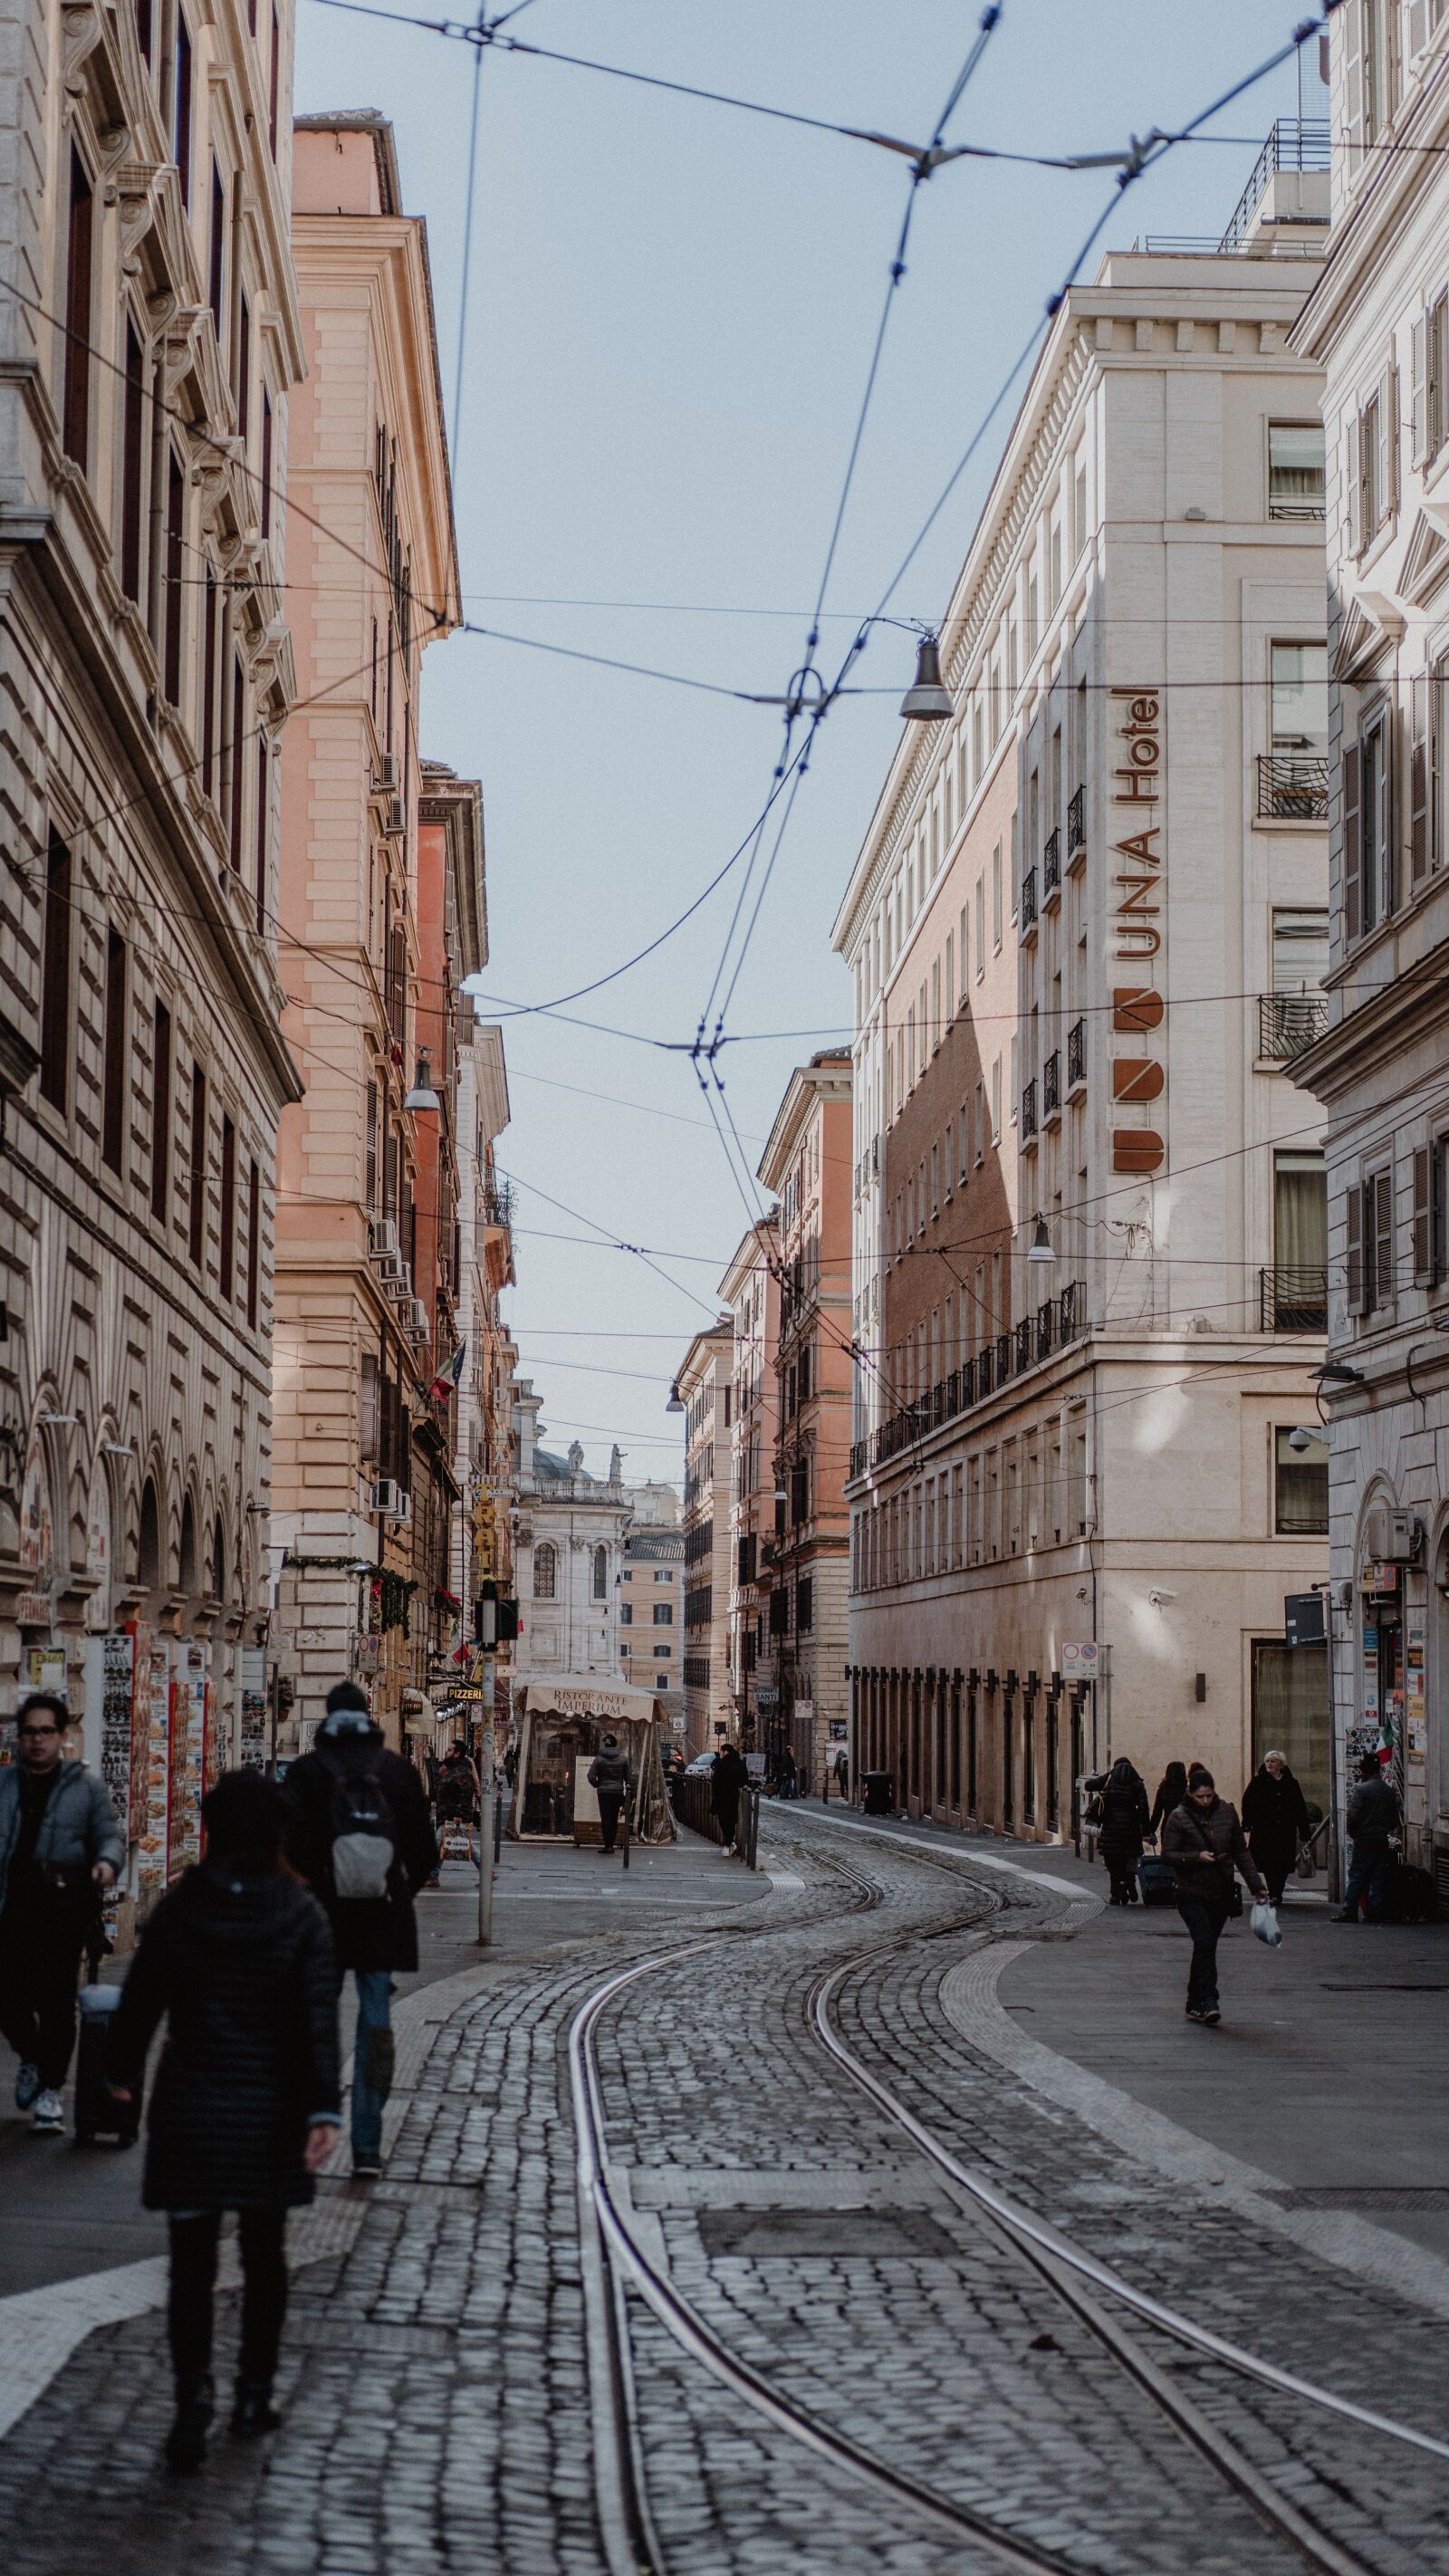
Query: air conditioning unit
{"type": "Point", "coordinates": [415, 1320]}
{"type": "Point", "coordinates": [1392, 1536]}
{"type": "Point", "coordinates": [389, 1498]}
{"type": "Point", "coordinates": [397, 817]}
{"type": "Point", "coordinates": [399, 1283]}
{"type": "Point", "coordinates": [384, 775]}
{"type": "Point", "coordinates": [392, 1270]}
{"type": "Point", "coordinates": [381, 1236]}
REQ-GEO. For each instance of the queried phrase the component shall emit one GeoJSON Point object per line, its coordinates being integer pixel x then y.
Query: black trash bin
{"type": "Point", "coordinates": [880, 1793]}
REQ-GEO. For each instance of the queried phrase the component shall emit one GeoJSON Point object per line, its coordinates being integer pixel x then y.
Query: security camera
{"type": "Point", "coordinates": [1158, 1597]}
{"type": "Point", "coordinates": [1301, 1439]}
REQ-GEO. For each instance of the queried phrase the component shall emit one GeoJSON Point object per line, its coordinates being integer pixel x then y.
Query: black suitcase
{"type": "Point", "coordinates": [97, 2112]}
{"type": "Point", "coordinates": [1412, 1896]}
{"type": "Point", "coordinates": [1156, 1880]}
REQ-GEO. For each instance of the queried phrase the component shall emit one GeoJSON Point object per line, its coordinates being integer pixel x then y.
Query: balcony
{"type": "Point", "coordinates": [1076, 824]}
{"type": "Point", "coordinates": [1297, 143]}
{"type": "Point", "coordinates": [1294, 1301]}
{"type": "Point", "coordinates": [1051, 866]}
{"type": "Point", "coordinates": [1057, 1322]}
{"type": "Point", "coordinates": [1024, 1344]}
{"type": "Point", "coordinates": [1028, 902]}
{"type": "Point", "coordinates": [1292, 787]}
{"type": "Point", "coordinates": [1289, 1022]}
{"type": "Point", "coordinates": [498, 1203]}
{"type": "Point", "coordinates": [1028, 1113]}
{"type": "Point", "coordinates": [1051, 1086]}
{"type": "Point", "coordinates": [1076, 1054]}
{"type": "Point", "coordinates": [1046, 1323]}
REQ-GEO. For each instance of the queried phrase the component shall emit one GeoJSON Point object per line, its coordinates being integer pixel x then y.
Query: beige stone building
{"type": "Point", "coordinates": [1086, 930]}
{"type": "Point", "coordinates": [149, 341]}
{"type": "Point", "coordinates": [807, 1164]}
{"type": "Point", "coordinates": [366, 1305]}
{"type": "Point", "coordinates": [750, 1292]}
{"type": "Point", "coordinates": [703, 1390]}
{"type": "Point", "coordinates": [651, 1600]}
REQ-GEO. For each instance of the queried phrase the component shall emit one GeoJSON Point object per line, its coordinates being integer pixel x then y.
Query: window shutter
{"type": "Point", "coordinates": [1350, 482]}
{"type": "Point", "coordinates": [1386, 856]}
{"type": "Point", "coordinates": [1357, 1302]}
{"type": "Point", "coordinates": [1382, 1186]}
{"type": "Point", "coordinates": [1352, 24]}
{"type": "Point", "coordinates": [1352, 845]}
{"type": "Point", "coordinates": [1419, 413]}
{"type": "Point", "coordinates": [1419, 777]}
{"type": "Point", "coordinates": [1388, 443]}
{"type": "Point", "coordinates": [1423, 1243]}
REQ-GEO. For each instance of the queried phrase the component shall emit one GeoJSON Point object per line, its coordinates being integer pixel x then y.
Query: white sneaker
{"type": "Point", "coordinates": [49, 2111]}
{"type": "Point", "coordinates": [27, 2085]}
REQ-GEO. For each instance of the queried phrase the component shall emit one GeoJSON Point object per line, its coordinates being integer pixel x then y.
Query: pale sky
{"type": "Point", "coordinates": [671, 312]}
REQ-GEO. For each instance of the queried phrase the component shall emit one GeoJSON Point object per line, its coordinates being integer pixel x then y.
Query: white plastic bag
{"type": "Point", "coordinates": [1265, 1924]}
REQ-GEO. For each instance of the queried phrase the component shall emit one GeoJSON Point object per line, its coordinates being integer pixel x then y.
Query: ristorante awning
{"type": "Point", "coordinates": [586, 1695]}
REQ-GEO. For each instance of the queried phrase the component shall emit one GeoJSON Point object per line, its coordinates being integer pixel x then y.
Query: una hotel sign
{"type": "Point", "coordinates": [1140, 856]}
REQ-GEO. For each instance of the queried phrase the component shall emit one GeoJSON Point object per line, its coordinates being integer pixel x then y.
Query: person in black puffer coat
{"type": "Point", "coordinates": [1123, 1829]}
{"type": "Point", "coordinates": [246, 2102]}
{"type": "Point", "coordinates": [1275, 1820]}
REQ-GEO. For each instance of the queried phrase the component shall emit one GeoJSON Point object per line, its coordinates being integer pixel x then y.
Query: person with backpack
{"type": "Point", "coordinates": [246, 2104]}
{"type": "Point", "coordinates": [609, 1778]}
{"type": "Point", "coordinates": [359, 1832]}
{"type": "Point", "coordinates": [1205, 1843]}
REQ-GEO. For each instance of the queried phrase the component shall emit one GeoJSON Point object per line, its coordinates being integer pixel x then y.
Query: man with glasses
{"type": "Point", "coordinates": [60, 1844]}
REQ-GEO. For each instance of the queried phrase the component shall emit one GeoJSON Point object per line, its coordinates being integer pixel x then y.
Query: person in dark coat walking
{"type": "Point", "coordinates": [359, 1832]}
{"type": "Point", "coordinates": [1276, 1821]}
{"type": "Point", "coordinates": [245, 2106]}
{"type": "Point", "coordinates": [609, 1778]}
{"type": "Point", "coordinates": [1204, 1841]}
{"type": "Point", "coordinates": [1373, 1821]}
{"type": "Point", "coordinates": [726, 1780]}
{"type": "Point", "coordinates": [1171, 1790]}
{"type": "Point", "coordinates": [60, 1847]}
{"type": "Point", "coordinates": [1123, 1829]}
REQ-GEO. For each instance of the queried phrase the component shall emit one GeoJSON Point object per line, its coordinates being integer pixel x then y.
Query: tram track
{"type": "Point", "coordinates": [618, 2264]}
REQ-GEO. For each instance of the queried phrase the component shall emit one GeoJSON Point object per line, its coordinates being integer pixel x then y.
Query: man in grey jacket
{"type": "Point", "coordinates": [1373, 1820]}
{"type": "Point", "coordinates": [59, 1844]}
{"type": "Point", "coordinates": [610, 1780]}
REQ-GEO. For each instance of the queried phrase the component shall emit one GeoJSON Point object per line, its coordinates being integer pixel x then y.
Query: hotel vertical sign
{"type": "Point", "coordinates": [1139, 867]}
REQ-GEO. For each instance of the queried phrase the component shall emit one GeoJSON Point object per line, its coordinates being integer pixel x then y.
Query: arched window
{"type": "Point", "coordinates": [148, 1542]}
{"type": "Point", "coordinates": [601, 1574]}
{"type": "Point", "coordinates": [187, 1569]}
{"type": "Point", "coordinates": [218, 1562]}
{"type": "Point", "coordinates": [545, 1571]}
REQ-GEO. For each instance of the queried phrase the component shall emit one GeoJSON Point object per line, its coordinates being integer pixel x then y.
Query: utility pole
{"type": "Point", "coordinates": [487, 1781]}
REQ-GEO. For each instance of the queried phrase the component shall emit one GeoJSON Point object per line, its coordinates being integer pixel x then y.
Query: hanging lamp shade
{"type": "Point", "coordinates": [928, 700]}
{"type": "Point", "coordinates": [422, 1094]}
{"type": "Point", "coordinates": [1041, 1243]}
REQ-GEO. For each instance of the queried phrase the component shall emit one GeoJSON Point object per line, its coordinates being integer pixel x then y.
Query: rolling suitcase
{"type": "Point", "coordinates": [97, 2113]}
{"type": "Point", "coordinates": [1156, 1880]}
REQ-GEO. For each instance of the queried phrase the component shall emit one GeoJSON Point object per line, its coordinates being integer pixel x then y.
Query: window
{"type": "Point", "coordinates": [804, 1605]}
{"type": "Point", "coordinates": [243, 370]}
{"type": "Point", "coordinates": [1300, 1484]}
{"type": "Point", "coordinates": [1300, 1244]}
{"type": "Point", "coordinates": [1430, 1241]}
{"type": "Point", "coordinates": [1371, 463]}
{"type": "Point", "coordinates": [1300, 951]}
{"type": "Point", "coordinates": [980, 928]}
{"type": "Point", "coordinates": [216, 280]}
{"type": "Point", "coordinates": [161, 1114]}
{"type": "Point", "coordinates": [1300, 697]}
{"type": "Point", "coordinates": [55, 977]}
{"type": "Point", "coordinates": [626, 1613]}
{"type": "Point", "coordinates": [181, 121]}
{"type": "Point", "coordinates": [662, 1654]}
{"type": "Point", "coordinates": [1368, 848]}
{"type": "Point", "coordinates": [133, 449]}
{"type": "Point", "coordinates": [663, 1614]}
{"type": "Point", "coordinates": [196, 1210]}
{"type": "Point", "coordinates": [545, 1571]}
{"type": "Point", "coordinates": [76, 394]}
{"type": "Point", "coordinates": [1430, 412]}
{"type": "Point", "coordinates": [1296, 477]}
{"type": "Point", "coordinates": [663, 1575]}
{"type": "Point", "coordinates": [274, 84]}
{"type": "Point", "coordinates": [1370, 1244]}
{"type": "Point", "coordinates": [601, 1574]}
{"type": "Point", "coordinates": [996, 896]}
{"type": "Point", "coordinates": [267, 486]}
{"type": "Point", "coordinates": [263, 832]}
{"type": "Point", "coordinates": [113, 1073]}
{"type": "Point", "coordinates": [175, 571]}
{"type": "Point", "coordinates": [254, 1242]}
{"type": "Point", "coordinates": [996, 1102]}
{"type": "Point", "coordinates": [226, 1255]}
{"type": "Point", "coordinates": [238, 772]}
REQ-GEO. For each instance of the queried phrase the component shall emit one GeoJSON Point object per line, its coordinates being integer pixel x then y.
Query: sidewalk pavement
{"type": "Point", "coordinates": [1329, 2072]}
{"type": "Point", "coordinates": [72, 2211]}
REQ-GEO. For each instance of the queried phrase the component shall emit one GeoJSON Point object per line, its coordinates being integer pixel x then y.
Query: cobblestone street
{"type": "Point", "coordinates": [833, 2354]}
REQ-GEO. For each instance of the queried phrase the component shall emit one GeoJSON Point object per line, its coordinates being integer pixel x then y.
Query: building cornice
{"type": "Point", "coordinates": [1411, 1007]}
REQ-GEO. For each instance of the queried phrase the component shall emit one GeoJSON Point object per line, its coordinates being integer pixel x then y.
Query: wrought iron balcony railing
{"type": "Point", "coordinates": [1294, 1300]}
{"type": "Point", "coordinates": [1293, 786]}
{"type": "Point", "coordinates": [1028, 1112]}
{"type": "Point", "coordinates": [1028, 901]}
{"type": "Point", "coordinates": [1076, 824]}
{"type": "Point", "coordinates": [1076, 1053]}
{"type": "Point", "coordinates": [1051, 1085]}
{"type": "Point", "coordinates": [1051, 863]}
{"type": "Point", "coordinates": [1289, 1022]}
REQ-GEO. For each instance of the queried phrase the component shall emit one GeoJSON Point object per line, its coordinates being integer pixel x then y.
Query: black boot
{"type": "Point", "coordinates": [186, 2441]}
{"type": "Point", "coordinates": [254, 2412]}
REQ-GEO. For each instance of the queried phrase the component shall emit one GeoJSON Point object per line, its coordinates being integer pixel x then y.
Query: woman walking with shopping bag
{"type": "Point", "coordinates": [246, 2103]}
{"type": "Point", "coordinates": [1205, 1843]}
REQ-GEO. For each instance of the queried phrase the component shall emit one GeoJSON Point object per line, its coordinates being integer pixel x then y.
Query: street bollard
{"type": "Point", "coordinates": [488, 1806]}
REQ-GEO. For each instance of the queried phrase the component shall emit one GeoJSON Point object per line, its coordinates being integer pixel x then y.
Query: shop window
{"type": "Point", "coordinates": [1300, 1484]}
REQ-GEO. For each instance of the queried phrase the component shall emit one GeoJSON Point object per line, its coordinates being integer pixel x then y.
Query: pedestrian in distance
{"type": "Point", "coordinates": [360, 1834]}
{"type": "Point", "coordinates": [610, 1779]}
{"type": "Point", "coordinates": [842, 1772]}
{"type": "Point", "coordinates": [726, 1780]}
{"type": "Point", "coordinates": [1171, 1790]}
{"type": "Point", "coordinates": [1123, 1829]}
{"type": "Point", "coordinates": [60, 1848]}
{"type": "Point", "coordinates": [237, 1959]}
{"type": "Point", "coordinates": [1204, 1841]}
{"type": "Point", "coordinates": [1373, 1821]}
{"type": "Point", "coordinates": [1275, 1819]}
{"type": "Point", "coordinates": [789, 1774]}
